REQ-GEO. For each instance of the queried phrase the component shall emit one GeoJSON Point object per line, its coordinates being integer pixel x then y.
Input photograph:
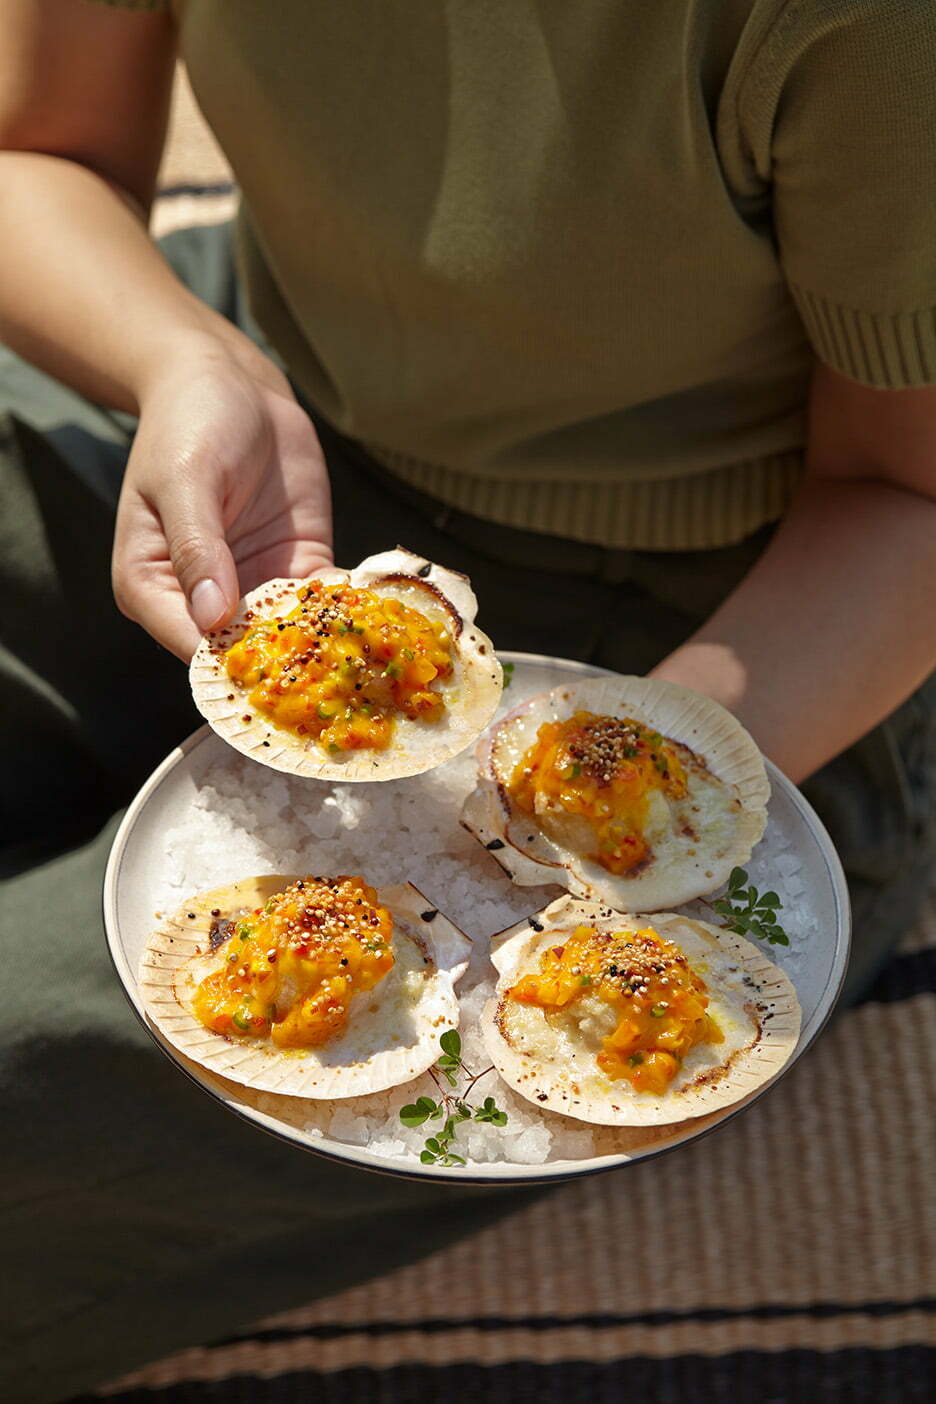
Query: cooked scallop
{"type": "Point", "coordinates": [369, 674]}
{"type": "Point", "coordinates": [625, 790]}
{"type": "Point", "coordinates": [314, 987]}
{"type": "Point", "coordinates": [631, 1020]}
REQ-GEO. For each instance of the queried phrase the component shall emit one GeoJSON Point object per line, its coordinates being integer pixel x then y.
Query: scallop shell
{"type": "Point", "coordinates": [692, 864]}
{"type": "Point", "coordinates": [375, 1051]}
{"type": "Point", "coordinates": [752, 999]}
{"type": "Point", "coordinates": [471, 694]}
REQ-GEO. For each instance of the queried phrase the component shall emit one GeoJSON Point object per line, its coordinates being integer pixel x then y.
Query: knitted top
{"type": "Point", "coordinates": [567, 266]}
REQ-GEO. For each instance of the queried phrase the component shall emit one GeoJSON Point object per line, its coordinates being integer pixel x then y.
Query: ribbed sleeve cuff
{"type": "Point", "coordinates": [889, 352]}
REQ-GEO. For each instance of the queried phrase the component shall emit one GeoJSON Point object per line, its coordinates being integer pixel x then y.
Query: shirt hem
{"type": "Point", "coordinates": [702, 511]}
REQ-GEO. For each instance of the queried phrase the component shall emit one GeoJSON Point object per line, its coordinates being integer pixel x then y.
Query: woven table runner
{"type": "Point", "coordinates": [791, 1256]}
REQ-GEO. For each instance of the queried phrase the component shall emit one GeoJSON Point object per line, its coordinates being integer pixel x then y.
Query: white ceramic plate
{"type": "Point", "coordinates": [796, 843]}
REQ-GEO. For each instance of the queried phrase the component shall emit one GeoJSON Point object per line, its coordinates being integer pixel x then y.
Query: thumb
{"type": "Point", "coordinates": [201, 559]}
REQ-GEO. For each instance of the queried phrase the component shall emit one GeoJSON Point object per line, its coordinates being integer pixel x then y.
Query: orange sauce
{"type": "Point", "coordinates": [342, 665]}
{"type": "Point", "coordinates": [602, 769]}
{"type": "Point", "coordinates": [292, 967]}
{"type": "Point", "coordinates": [659, 1002]}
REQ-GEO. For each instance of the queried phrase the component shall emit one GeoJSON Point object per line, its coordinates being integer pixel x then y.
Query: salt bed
{"type": "Point", "coordinates": [247, 819]}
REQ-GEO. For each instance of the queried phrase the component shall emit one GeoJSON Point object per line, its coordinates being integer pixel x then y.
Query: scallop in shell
{"type": "Point", "coordinates": [470, 694]}
{"type": "Point", "coordinates": [550, 1057]}
{"type": "Point", "coordinates": [691, 841]}
{"type": "Point", "coordinates": [392, 1030]}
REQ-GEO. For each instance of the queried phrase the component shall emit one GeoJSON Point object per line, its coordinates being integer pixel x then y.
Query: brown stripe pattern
{"type": "Point", "coordinates": [195, 182]}
{"type": "Point", "coordinates": [791, 1253]}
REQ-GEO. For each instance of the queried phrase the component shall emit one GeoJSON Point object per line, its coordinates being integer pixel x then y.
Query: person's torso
{"type": "Point", "coordinates": [505, 235]}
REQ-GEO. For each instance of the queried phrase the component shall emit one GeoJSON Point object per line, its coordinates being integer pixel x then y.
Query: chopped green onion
{"type": "Point", "coordinates": [242, 1020]}
{"type": "Point", "coordinates": [635, 1059]}
{"type": "Point", "coordinates": [658, 1011]}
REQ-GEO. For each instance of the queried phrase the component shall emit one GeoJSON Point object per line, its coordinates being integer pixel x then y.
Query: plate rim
{"type": "Point", "coordinates": [492, 1173]}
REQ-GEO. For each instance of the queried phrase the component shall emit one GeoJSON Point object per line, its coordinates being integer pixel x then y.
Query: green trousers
{"type": "Point", "coordinates": [119, 1194]}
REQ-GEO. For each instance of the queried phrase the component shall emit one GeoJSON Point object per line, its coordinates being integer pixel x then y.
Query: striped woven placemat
{"type": "Point", "coordinates": [195, 181]}
{"type": "Point", "coordinates": [791, 1257]}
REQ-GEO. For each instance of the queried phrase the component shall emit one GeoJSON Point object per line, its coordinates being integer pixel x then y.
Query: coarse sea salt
{"type": "Point", "coordinates": [247, 819]}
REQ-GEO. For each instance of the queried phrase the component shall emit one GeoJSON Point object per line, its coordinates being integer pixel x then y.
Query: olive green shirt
{"type": "Point", "coordinates": [567, 264]}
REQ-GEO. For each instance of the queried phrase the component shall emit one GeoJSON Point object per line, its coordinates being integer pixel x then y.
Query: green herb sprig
{"type": "Point", "coordinates": [450, 1109]}
{"type": "Point", "coordinates": [508, 673]}
{"type": "Point", "coordinates": [749, 912]}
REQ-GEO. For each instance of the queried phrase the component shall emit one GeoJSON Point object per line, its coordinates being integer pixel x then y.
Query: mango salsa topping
{"type": "Point", "coordinates": [342, 665]}
{"type": "Point", "coordinates": [602, 769]}
{"type": "Point", "coordinates": [658, 1003]}
{"type": "Point", "coordinates": [292, 967]}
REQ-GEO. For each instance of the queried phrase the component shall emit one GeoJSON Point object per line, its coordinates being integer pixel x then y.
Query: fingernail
{"type": "Point", "coordinates": [207, 605]}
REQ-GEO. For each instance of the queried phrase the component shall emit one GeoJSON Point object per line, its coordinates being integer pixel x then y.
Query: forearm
{"type": "Point", "coordinates": [833, 627]}
{"type": "Point", "coordinates": [84, 292]}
